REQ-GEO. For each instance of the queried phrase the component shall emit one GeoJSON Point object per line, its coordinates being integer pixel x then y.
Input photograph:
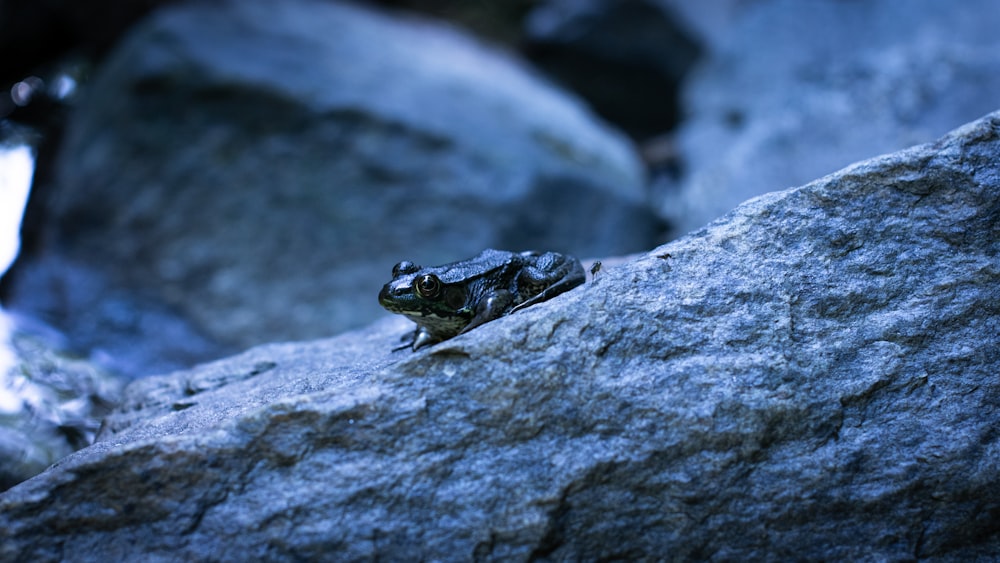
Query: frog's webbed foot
{"type": "Point", "coordinates": [417, 339]}
{"type": "Point", "coordinates": [423, 337]}
{"type": "Point", "coordinates": [407, 340]}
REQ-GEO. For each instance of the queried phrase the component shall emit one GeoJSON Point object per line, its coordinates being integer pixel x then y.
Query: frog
{"type": "Point", "coordinates": [452, 299]}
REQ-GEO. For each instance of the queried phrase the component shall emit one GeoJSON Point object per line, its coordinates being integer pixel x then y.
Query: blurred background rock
{"type": "Point", "coordinates": [237, 173]}
{"type": "Point", "coordinates": [798, 90]}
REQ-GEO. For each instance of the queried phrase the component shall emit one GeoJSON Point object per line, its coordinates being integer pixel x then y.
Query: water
{"type": "Point", "coordinates": [16, 168]}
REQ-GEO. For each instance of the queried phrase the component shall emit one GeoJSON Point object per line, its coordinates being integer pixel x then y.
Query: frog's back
{"type": "Point", "coordinates": [487, 262]}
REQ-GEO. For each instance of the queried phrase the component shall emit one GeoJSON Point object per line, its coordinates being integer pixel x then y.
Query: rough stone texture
{"type": "Point", "coordinates": [800, 89]}
{"type": "Point", "coordinates": [813, 377]}
{"type": "Point", "coordinates": [51, 403]}
{"type": "Point", "coordinates": [254, 168]}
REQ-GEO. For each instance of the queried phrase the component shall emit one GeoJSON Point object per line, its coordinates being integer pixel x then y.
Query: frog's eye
{"type": "Point", "coordinates": [428, 286]}
{"type": "Point", "coordinates": [404, 267]}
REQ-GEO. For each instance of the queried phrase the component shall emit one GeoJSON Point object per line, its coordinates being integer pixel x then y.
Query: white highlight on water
{"type": "Point", "coordinates": [16, 168]}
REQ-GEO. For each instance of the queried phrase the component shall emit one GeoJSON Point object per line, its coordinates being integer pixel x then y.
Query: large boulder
{"type": "Point", "coordinates": [254, 169]}
{"type": "Point", "coordinates": [799, 89]}
{"type": "Point", "coordinates": [811, 377]}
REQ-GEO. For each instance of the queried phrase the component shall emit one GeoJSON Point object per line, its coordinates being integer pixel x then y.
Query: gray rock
{"type": "Point", "coordinates": [254, 168]}
{"type": "Point", "coordinates": [802, 89]}
{"type": "Point", "coordinates": [812, 377]}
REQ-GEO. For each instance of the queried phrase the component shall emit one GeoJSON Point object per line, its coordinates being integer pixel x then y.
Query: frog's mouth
{"type": "Point", "coordinates": [428, 314]}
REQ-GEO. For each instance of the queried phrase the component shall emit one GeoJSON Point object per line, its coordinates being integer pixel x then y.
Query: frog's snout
{"type": "Point", "coordinates": [392, 293]}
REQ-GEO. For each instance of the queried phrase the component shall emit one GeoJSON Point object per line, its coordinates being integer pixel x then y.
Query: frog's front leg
{"type": "Point", "coordinates": [418, 339]}
{"type": "Point", "coordinates": [493, 306]}
{"type": "Point", "coordinates": [423, 337]}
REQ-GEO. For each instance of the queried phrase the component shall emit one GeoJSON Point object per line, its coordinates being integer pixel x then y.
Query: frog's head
{"type": "Point", "coordinates": [420, 294]}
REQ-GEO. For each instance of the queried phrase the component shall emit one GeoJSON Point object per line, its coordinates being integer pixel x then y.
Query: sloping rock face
{"type": "Point", "coordinates": [797, 90]}
{"type": "Point", "coordinates": [254, 168]}
{"type": "Point", "coordinates": [811, 377]}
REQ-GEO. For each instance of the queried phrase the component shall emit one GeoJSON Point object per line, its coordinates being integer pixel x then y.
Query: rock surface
{"type": "Point", "coordinates": [255, 168]}
{"type": "Point", "coordinates": [811, 377]}
{"type": "Point", "coordinates": [799, 90]}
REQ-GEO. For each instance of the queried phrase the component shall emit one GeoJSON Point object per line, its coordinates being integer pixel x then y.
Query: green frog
{"type": "Point", "coordinates": [448, 300]}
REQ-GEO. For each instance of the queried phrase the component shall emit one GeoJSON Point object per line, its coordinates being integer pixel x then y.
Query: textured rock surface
{"type": "Point", "coordinates": [811, 377]}
{"type": "Point", "coordinates": [799, 90]}
{"type": "Point", "coordinates": [254, 168]}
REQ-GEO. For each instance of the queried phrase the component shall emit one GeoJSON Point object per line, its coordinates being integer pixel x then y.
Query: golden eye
{"type": "Point", "coordinates": [428, 286]}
